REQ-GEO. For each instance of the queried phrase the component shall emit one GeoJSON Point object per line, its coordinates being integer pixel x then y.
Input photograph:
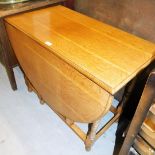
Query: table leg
{"type": "Point", "coordinates": [6, 54]}
{"type": "Point", "coordinates": [123, 121]}
{"type": "Point", "coordinates": [91, 135]}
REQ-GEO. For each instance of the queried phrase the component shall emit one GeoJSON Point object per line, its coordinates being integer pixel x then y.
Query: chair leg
{"type": "Point", "coordinates": [144, 105]}
{"type": "Point", "coordinates": [91, 135]}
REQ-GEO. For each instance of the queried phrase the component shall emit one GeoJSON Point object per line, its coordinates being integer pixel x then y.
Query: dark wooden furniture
{"type": "Point", "coordinates": [8, 58]}
{"type": "Point", "coordinates": [142, 110]}
{"type": "Point", "coordinates": [130, 106]}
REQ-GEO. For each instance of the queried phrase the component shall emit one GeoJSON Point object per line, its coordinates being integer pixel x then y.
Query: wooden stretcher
{"type": "Point", "coordinates": [76, 64]}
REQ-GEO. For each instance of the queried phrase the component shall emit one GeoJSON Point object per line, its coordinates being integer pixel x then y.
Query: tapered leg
{"type": "Point", "coordinates": [6, 51]}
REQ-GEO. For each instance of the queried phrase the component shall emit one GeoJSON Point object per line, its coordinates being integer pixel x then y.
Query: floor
{"type": "Point", "coordinates": [29, 128]}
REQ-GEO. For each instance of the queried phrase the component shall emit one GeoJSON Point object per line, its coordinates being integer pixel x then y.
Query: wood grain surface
{"type": "Point", "coordinates": [106, 55]}
{"type": "Point", "coordinates": [63, 88]}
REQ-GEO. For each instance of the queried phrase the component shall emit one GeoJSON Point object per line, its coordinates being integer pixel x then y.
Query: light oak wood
{"type": "Point", "coordinates": [69, 92]}
{"type": "Point", "coordinates": [76, 64]}
{"type": "Point", "coordinates": [75, 128]}
{"type": "Point", "coordinates": [7, 55]}
{"type": "Point", "coordinates": [91, 136]}
{"type": "Point", "coordinates": [106, 55]}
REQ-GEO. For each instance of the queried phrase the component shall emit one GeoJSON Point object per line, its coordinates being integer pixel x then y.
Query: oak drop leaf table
{"type": "Point", "coordinates": [76, 64]}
